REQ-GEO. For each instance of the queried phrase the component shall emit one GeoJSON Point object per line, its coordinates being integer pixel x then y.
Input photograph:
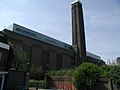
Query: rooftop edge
{"type": "Point", "coordinates": [75, 1]}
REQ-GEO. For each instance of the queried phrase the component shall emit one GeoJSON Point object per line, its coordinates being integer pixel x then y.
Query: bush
{"type": "Point", "coordinates": [115, 75]}
{"type": "Point", "coordinates": [37, 83]}
{"type": "Point", "coordinates": [62, 72]}
{"type": "Point", "coordinates": [104, 70]}
{"type": "Point", "coordinates": [85, 75]}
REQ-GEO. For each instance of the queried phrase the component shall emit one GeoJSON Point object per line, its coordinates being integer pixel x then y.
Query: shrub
{"type": "Point", "coordinates": [104, 70]}
{"type": "Point", "coordinates": [115, 75]}
{"type": "Point", "coordinates": [62, 72]}
{"type": "Point", "coordinates": [85, 75]}
{"type": "Point", "coordinates": [37, 83]}
{"type": "Point", "coordinates": [36, 72]}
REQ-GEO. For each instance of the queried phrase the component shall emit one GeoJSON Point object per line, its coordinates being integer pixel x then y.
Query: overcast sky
{"type": "Point", "coordinates": [53, 18]}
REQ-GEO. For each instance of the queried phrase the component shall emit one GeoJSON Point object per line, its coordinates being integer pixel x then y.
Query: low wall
{"type": "Point", "coordinates": [58, 82]}
{"type": "Point", "coordinates": [65, 83]}
{"type": "Point", "coordinates": [102, 84]}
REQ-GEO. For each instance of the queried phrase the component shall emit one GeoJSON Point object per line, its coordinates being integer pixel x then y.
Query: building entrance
{"type": "Point", "coordinates": [2, 79]}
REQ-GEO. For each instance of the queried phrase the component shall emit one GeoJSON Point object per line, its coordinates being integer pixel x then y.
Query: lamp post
{"type": "Point", "coordinates": [27, 75]}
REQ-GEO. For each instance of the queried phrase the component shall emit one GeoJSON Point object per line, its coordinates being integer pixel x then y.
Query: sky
{"type": "Point", "coordinates": [53, 18]}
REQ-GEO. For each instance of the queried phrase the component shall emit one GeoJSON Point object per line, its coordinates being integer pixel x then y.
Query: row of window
{"type": "Point", "coordinates": [38, 55]}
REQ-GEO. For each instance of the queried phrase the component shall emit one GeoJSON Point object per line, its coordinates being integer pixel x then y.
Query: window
{"type": "Point", "coordinates": [59, 61]}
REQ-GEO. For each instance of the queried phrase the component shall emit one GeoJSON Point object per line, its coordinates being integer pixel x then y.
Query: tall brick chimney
{"type": "Point", "coordinates": [78, 32]}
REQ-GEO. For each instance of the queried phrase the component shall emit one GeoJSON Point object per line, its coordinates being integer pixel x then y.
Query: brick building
{"type": "Point", "coordinates": [49, 53]}
{"type": "Point", "coordinates": [41, 50]}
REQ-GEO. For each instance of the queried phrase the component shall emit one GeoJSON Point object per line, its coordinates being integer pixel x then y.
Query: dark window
{"type": "Point", "coordinates": [73, 60]}
{"type": "Point", "coordinates": [59, 61]}
{"type": "Point", "coordinates": [3, 38]}
{"type": "Point", "coordinates": [45, 59]}
{"type": "Point", "coordinates": [28, 50]}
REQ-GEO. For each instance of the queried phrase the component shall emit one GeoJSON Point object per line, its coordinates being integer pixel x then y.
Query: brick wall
{"type": "Point", "coordinates": [58, 82]}
{"type": "Point", "coordinates": [65, 83]}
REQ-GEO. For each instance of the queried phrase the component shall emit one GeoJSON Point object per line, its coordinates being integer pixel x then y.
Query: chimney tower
{"type": "Point", "coordinates": [78, 33]}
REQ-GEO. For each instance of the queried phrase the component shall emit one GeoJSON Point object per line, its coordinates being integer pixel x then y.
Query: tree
{"type": "Point", "coordinates": [19, 61]}
{"type": "Point", "coordinates": [16, 59]}
{"type": "Point", "coordinates": [36, 72]}
{"type": "Point", "coordinates": [85, 76]}
{"type": "Point", "coordinates": [10, 57]}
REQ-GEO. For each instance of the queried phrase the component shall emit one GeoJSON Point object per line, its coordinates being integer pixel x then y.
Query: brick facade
{"type": "Point", "coordinates": [49, 57]}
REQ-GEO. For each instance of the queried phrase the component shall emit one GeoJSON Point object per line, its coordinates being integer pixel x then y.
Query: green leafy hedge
{"type": "Point", "coordinates": [62, 72]}
{"type": "Point", "coordinates": [104, 70]}
{"type": "Point", "coordinates": [114, 75]}
{"type": "Point", "coordinates": [85, 75]}
{"type": "Point", "coordinates": [37, 83]}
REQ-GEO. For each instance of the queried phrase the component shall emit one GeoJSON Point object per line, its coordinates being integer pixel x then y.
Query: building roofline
{"type": "Point", "coordinates": [38, 36]}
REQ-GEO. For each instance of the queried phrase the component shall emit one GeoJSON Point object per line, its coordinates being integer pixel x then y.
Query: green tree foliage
{"type": "Point", "coordinates": [104, 70]}
{"type": "Point", "coordinates": [37, 83]}
{"type": "Point", "coordinates": [16, 59]}
{"type": "Point", "coordinates": [36, 72]}
{"type": "Point", "coordinates": [85, 75]}
{"type": "Point", "coordinates": [19, 60]}
{"type": "Point", "coordinates": [115, 75]}
{"type": "Point", "coordinates": [10, 57]}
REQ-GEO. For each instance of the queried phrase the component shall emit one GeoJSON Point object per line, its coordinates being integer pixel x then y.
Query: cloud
{"type": "Point", "coordinates": [101, 19]}
{"type": "Point", "coordinates": [102, 31]}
